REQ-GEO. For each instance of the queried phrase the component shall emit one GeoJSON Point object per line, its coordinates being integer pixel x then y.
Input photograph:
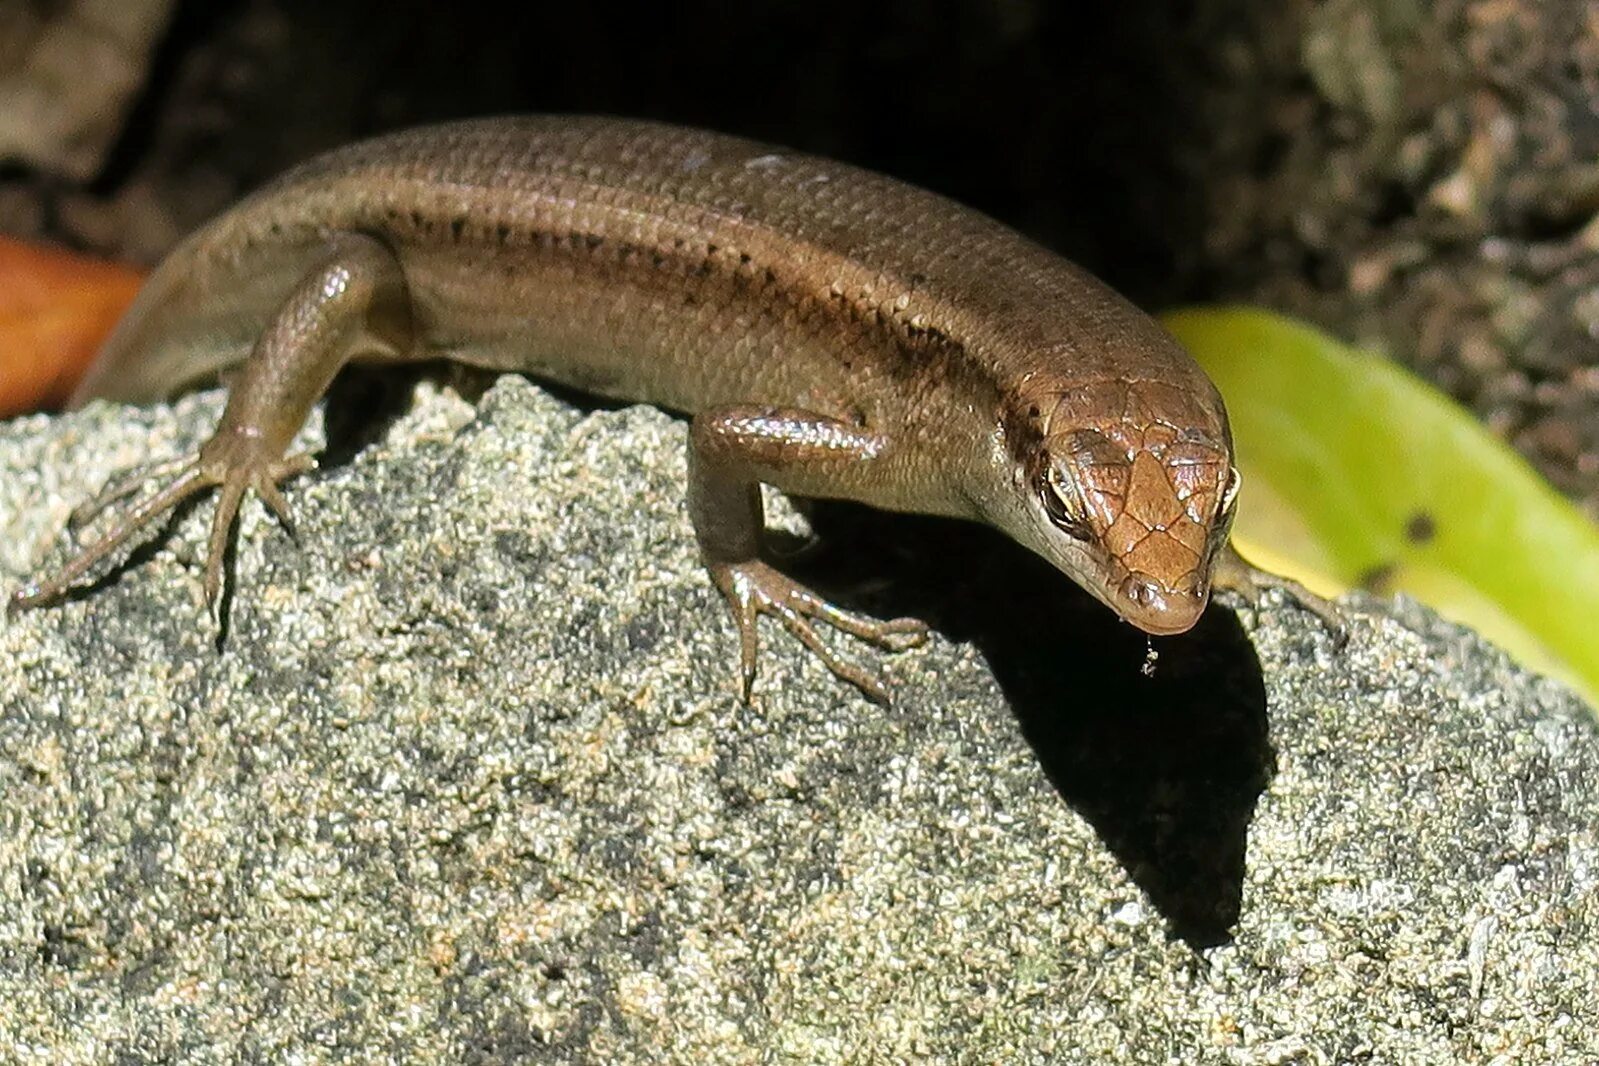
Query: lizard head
{"type": "Point", "coordinates": [1131, 491]}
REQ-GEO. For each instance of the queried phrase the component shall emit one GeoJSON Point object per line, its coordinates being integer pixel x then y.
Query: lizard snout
{"type": "Point", "coordinates": [1158, 608]}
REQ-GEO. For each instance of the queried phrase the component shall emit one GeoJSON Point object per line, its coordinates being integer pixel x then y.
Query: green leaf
{"type": "Point", "coordinates": [1355, 473]}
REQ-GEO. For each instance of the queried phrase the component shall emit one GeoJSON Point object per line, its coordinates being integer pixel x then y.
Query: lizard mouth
{"type": "Point", "coordinates": [1158, 608]}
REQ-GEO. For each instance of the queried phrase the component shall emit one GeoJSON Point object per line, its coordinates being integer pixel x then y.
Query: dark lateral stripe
{"type": "Point", "coordinates": [926, 350]}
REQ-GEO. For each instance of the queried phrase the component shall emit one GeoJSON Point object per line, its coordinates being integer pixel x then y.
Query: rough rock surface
{"type": "Point", "coordinates": [1420, 178]}
{"type": "Point", "coordinates": [467, 782]}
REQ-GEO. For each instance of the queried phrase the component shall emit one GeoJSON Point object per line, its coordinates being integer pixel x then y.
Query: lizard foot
{"type": "Point", "coordinates": [236, 463]}
{"type": "Point", "coordinates": [755, 588]}
{"type": "Point", "coordinates": [1233, 573]}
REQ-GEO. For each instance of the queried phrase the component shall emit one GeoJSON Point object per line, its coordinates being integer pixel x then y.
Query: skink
{"type": "Point", "coordinates": [833, 333]}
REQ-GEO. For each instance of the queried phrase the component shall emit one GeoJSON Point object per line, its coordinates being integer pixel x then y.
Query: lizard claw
{"type": "Point", "coordinates": [266, 487]}
{"type": "Point", "coordinates": [755, 588]}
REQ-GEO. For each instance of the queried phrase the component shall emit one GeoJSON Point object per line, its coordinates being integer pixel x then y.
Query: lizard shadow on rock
{"type": "Point", "coordinates": [363, 403]}
{"type": "Point", "coordinates": [1168, 768]}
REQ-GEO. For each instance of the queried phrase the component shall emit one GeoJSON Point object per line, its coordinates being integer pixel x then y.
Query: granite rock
{"type": "Point", "coordinates": [464, 779]}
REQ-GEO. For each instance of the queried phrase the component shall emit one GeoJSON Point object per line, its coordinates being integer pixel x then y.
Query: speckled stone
{"type": "Point", "coordinates": [467, 782]}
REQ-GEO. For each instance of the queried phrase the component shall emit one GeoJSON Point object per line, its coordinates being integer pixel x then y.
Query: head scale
{"type": "Point", "coordinates": [1132, 489]}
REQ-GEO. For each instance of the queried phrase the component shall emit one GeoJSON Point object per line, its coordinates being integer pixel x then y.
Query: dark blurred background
{"type": "Point", "coordinates": [1418, 177]}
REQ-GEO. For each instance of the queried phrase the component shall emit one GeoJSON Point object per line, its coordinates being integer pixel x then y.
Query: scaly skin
{"type": "Point", "coordinates": [834, 332]}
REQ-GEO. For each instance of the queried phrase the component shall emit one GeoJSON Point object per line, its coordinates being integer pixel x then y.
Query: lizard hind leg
{"type": "Point", "coordinates": [124, 486]}
{"type": "Point", "coordinates": [352, 300]}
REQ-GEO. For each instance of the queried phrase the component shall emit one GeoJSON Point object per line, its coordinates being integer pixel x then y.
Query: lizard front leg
{"type": "Point", "coordinates": [732, 450]}
{"type": "Point", "coordinates": [1231, 572]}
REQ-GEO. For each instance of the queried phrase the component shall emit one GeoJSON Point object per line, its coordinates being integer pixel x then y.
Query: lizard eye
{"type": "Point", "coordinates": [1063, 503]}
{"type": "Point", "coordinates": [1229, 495]}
